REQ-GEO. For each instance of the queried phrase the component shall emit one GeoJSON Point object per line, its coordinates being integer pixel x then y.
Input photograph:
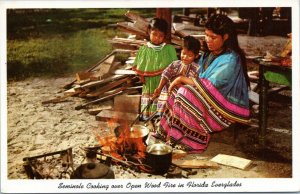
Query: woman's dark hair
{"type": "Point", "coordinates": [221, 25]}
{"type": "Point", "coordinates": [158, 24]}
{"type": "Point", "coordinates": [191, 44]}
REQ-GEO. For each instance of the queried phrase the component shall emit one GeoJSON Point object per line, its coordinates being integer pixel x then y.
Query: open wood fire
{"type": "Point", "coordinates": [126, 146]}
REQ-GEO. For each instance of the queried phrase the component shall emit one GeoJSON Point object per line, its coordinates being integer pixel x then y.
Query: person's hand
{"type": "Point", "coordinates": [174, 83]}
{"type": "Point", "coordinates": [179, 81]}
{"type": "Point", "coordinates": [156, 93]}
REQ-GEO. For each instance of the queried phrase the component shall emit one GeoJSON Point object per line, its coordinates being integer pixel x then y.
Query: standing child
{"type": "Point", "coordinates": [187, 67]}
{"type": "Point", "coordinates": [150, 62]}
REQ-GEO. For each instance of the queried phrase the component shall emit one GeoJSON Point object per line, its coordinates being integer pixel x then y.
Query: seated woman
{"type": "Point", "coordinates": [197, 107]}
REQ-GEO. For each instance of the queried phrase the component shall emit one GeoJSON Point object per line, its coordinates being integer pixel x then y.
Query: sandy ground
{"type": "Point", "coordinates": [33, 128]}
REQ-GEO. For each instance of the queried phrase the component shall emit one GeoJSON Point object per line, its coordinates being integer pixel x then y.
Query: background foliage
{"type": "Point", "coordinates": [58, 41]}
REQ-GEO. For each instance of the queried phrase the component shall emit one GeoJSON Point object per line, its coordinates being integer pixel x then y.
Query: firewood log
{"type": "Point", "coordinates": [69, 85]}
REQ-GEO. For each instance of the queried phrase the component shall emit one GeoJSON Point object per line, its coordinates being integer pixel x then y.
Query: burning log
{"type": "Point", "coordinates": [127, 145]}
{"type": "Point", "coordinates": [127, 163]}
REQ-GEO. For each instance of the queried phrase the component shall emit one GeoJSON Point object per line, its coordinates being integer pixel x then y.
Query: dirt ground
{"type": "Point", "coordinates": [33, 128]}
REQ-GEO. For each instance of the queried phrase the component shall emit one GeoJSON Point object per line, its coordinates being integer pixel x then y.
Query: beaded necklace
{"type": "Point", "coordinates": [209, 60]}
{"type": "Point", "coordinates": [156, 47]}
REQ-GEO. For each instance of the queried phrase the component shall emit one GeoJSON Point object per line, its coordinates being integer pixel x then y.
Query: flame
{"type": "Point", "coordinates": [128, 144]}
{"type": "Point", "coordinates": [111, 123]}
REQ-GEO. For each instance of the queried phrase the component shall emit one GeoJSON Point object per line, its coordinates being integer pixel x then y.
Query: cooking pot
{"type": "Point", "coordinates": [136, 131]}
{"type": "Point", "coordinates": [139, 131]}
{"type": "Point", "coordinates": [93, 171]}
{"type": "Point", "coordinates": [159, 157]}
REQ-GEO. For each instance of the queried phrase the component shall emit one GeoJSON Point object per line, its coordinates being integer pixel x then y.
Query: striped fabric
{"type": "Point", "coordinates": [173, 71]}
{"type": "Point", "coordinates": [145, 101]}
{"type": "Point", "coordinates": [194, 113]}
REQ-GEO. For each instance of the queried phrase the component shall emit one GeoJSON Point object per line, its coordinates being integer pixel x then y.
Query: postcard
{"type": "Point", "coordinates": [149, 96]}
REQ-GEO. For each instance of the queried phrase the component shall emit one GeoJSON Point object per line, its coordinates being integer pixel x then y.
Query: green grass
{"type": "Point", "coordinates": [59, 41]}
{"type": "Point", "coordinates": [57, 54]}
{"type": "Point", "coordinates": [23, 24]}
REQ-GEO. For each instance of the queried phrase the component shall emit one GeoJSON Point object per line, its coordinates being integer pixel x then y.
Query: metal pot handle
{"type": "Point", "coordinates": [135, 120]}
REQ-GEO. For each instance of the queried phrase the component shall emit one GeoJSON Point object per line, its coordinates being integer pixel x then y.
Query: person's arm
{"type": "Point", "coordinates": [165, 77]}
{"type": "Point", "coordinates": [157, 91]}
{"type": "Point", "coordinates": [181, 81]}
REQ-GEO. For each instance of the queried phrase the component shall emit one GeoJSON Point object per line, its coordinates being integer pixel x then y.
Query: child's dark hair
{"type": "Point", "coordinates": [192, 44]}
{"type": "Point", "coordinates": [159, 24]}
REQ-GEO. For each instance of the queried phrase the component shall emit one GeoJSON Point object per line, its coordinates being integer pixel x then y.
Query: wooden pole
{"type": "Point", "coordinates": [166, 14]}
